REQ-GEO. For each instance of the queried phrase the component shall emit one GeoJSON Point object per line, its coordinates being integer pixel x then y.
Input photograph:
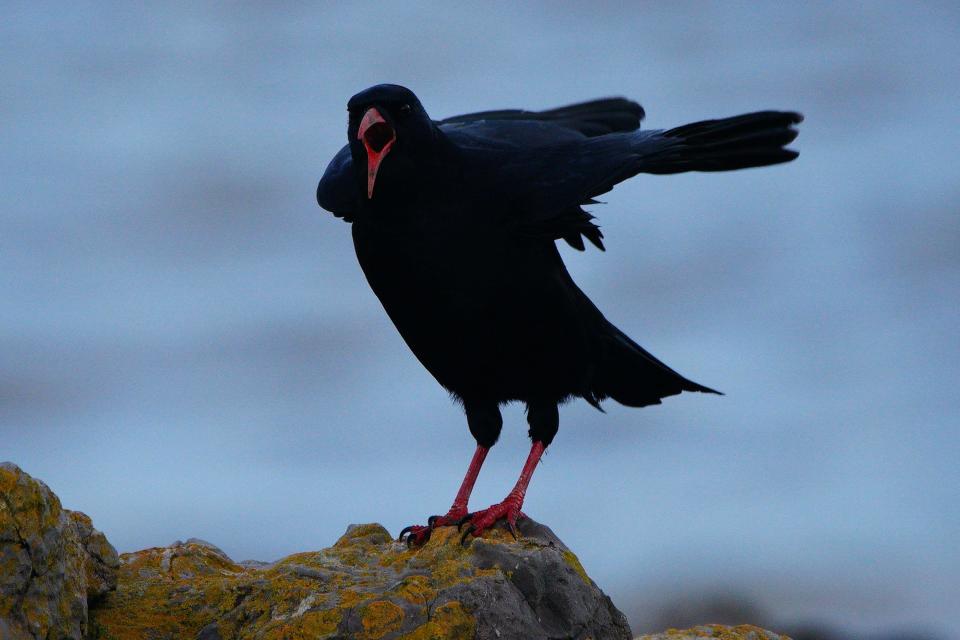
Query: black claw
{"type": "Point", "coordinates": [512, 529]}
{"type": "Point", "coordinates": [465, 519]}
{"type": "Point", "coordinates": [431, 520]}
{"type": "Point", "coordinates": [467, 532]}
{"type": "Point", "coordinates": [412, 538]}
{"type": "Point", "coordinates": [405, 531]}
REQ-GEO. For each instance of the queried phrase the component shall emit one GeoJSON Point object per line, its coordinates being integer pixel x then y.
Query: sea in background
{"type": "Point", "coordinates": [188, 347]}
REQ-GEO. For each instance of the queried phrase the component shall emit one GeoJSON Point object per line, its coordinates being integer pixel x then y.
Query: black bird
{"type": "Point", "coordinates": [455, 223]}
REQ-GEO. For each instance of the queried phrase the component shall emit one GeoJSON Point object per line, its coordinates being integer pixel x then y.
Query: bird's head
{"type": "Point", "coordinates": [388, 131]}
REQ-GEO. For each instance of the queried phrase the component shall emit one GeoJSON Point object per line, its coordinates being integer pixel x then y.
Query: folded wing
{"type": "Point", "coordinates": [337, 191]}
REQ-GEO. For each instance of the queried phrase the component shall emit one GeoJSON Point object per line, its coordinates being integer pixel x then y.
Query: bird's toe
{"type": "Point", "coordinates": [415, 535]}
{"type": "Point", "coordinates": [464, 520]}
{"type": "Point", "coordinates": [481, 521]}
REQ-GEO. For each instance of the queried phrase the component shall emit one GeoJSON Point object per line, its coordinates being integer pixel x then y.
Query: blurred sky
{"type": "Point", "coordinates": [188, 347]}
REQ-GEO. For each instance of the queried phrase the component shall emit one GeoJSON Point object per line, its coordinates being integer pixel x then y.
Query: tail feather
{"type": "Point", "coordinates": [633, 377]}
{"type": "Point", "coordinates": [749, 140]}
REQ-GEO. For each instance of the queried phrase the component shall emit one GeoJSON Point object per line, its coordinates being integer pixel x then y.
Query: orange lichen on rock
{"type": "Point", "coordinates": [55, 568]}
{"type": "Point", "coordinates": [718, 631]}
{"type": "Point", "coordinates": [380, 618]}
{"type": "Point", "coordinates": [170, 592]}
{"type": "Point", "coordinates": [449, 622]}
{"type": "Point", "coordinates": [366, 586]}
{"type": "Point", "coordinates": [193, 588]}
{"type": "Point", "coordinates": [52, 561]}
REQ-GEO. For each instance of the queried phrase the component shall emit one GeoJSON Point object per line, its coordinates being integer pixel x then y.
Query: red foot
{"type": "Point", "coordinates": [416, 535]}
{"type": "Point", "coordinates": [480, 521]}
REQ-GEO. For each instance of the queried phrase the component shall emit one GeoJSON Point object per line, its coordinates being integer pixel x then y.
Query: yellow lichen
{"type": "Point", "coordinates": [365, 582]}
{"type": "Point", "coordinates": [197, 587]}
{"type": "Point", "coordinates": [572, 560]}
{"type": "Point", "coordinates": [415, 589]}
{"type": "Point", "coordinates": [364, 533]}
{"type": "Point", "coordinates": [312, 625]}
{"type": "Point", "coordinates": [350, 598]}
{"type": "Point", "coordinates": [31, 514]}
{"type": "Point", "coordinates": [449, 621]}
{"type": "Point", "coordinates": [721, 632]}
{"type": "Point", "coordinates": [380, 618]}
{"type": "Point", "coordinates": [8, 479]}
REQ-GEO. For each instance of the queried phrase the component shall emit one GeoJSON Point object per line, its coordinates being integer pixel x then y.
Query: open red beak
{"type": "Point", "coordinates": [377, 136]}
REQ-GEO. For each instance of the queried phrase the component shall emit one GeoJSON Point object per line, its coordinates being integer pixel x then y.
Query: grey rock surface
{"type": "Point", "coordinates": [540, 591]}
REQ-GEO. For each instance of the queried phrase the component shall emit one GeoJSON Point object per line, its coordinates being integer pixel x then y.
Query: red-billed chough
{"type": "Point", "coordinates": [455, 223]}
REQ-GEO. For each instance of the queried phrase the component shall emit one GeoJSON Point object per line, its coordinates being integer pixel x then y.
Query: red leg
{"type": "Point", "coordinates": [509, 509]}
{"type": "Point", "coordinates": [417, 534]}
{"type": "Point", "coordinates": [459, 506]}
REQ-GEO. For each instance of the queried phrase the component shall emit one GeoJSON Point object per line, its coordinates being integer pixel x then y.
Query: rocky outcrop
{"type": "Point", "coordinates": [366, 586]}
{"type": "Point", "coordinates": [53, 563]}
{"type": "Point", "coordinates": [61, 579]}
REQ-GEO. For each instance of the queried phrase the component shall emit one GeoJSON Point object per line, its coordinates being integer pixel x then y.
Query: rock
{"type": "Point", "coordinates": [717, 631]}
{"type": "Point", "coordinates": [102, 561]}
{"type": "Point", "coordinates": [61, 579]}
{"type": "Point", "coordinates": [366, 586]}
{"type": "Point", "coordinates": [52, 562]}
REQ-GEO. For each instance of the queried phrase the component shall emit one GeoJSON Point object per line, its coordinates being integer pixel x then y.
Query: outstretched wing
{"type": "Point", "coordinates": [511, 137]}
{"type": "Point", "coordinates": [594, 118]}
{"type": "Point", "coordinates": [515, 129]}
{"type": "Point", "coordinates": [547, 184]}
{"type": "Point", "coordinates": [544, 166]}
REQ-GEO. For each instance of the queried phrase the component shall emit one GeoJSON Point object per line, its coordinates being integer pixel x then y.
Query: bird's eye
{"type": "Point", "coordinates": [405, 109]}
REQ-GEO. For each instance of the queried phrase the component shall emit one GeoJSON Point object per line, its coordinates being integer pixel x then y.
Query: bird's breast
{"type": "Point", "coordinates": [477, 309]}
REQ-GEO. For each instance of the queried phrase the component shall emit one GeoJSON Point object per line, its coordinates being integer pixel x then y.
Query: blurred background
{"type": "Point", "coordinates": [188, 347]}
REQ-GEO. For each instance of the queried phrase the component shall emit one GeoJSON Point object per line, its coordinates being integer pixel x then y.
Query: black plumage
{"type": "Point", "coordinates": [455, 223]}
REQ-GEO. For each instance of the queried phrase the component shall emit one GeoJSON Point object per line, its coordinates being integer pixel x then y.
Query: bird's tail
{"type": "Point", "coordinates": [749, 140]}
{"type": "Point", "coordinates": [634, 377]}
